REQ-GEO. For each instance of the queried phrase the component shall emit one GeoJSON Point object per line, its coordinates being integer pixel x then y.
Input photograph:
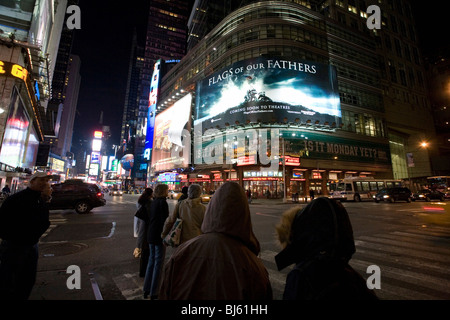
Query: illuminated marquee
{"type": "Point", "coordinates": [14, 70]}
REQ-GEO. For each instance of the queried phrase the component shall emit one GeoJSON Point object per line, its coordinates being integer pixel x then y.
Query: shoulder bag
{"type": "Point", "coordinates": [173, 238]}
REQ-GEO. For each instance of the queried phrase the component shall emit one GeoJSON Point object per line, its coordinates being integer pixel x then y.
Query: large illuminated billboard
{"type": "Point", "coordinates": [268, 90]}
{"type": "Point", "coordinates": [170, 150]}
{"type": "Point", "coordinates": [151, 114]}
{"type": "Point", "coordinates": [17, 132]}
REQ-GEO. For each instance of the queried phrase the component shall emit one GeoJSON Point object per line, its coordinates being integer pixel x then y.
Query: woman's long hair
{"type": "Point", "coordinates": [161, 191]}
{"type": "Point", "coordinates": [145, 196]}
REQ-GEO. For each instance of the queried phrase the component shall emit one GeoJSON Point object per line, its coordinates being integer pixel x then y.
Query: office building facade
{"type": "Point", "coordinates": [29, 40]}
{"type": "Point", "coordinates": [165, 39]}
{"type": "Point", "coordinates": [372, 135]}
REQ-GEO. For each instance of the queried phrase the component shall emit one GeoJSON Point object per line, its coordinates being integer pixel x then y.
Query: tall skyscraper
{"type": "Point", "coordinates": [166, 40]}
{"type": "Point", "coordinates": [131, 106]}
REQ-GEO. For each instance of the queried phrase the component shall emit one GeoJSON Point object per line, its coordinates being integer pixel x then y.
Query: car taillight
{"type": "Point", "coordinates": [99, 194]}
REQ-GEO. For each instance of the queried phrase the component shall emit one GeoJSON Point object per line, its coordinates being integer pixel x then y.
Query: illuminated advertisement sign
{"type": "Point", "coordinates": [15, 70]}
{"type": "Point", "coordinates": [152, 100]}
{"type": "Point", "coordinates": [268, 90]}
{"type": "Point", "coordinates": [98, 135]}
{"type": "Point", "coordinates": [168, 177]}
{"type": "Point", "coordinates": [96, 145]}
{"type": "Point", "coordinates": [169, 151]}
{"type": "Point", "coordinates": [127, 162]}
{"type": "Point", "coordinates": [13, 146]}
{"type": "Point", "coordinates": [95, 157]}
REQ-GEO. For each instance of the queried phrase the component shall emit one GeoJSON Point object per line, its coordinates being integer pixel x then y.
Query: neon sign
{"type": "Point", "coordinates": [15, 70]}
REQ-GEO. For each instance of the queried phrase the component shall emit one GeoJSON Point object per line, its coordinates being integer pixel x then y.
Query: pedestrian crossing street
{"type": "Point", "coordinates": [414, 265]}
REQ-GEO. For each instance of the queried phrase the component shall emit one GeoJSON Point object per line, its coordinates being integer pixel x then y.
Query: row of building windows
{"type": "Point", "coordinates": [345, 51]}
{"type": "Point", "coordinates": [287, 14]}
{"type": "Point", "coordinates": [359, 97]}
{"type": "Point", "coordinates": [364, 76]}
{"type": "Point", "coordinates": [363, 123]}
{"type": "Point", "coordinates": [397, 74]}
{"type": "Point", "coordinates": [270, 31]}
{"type": "Point", "coordinates": [402, 49]}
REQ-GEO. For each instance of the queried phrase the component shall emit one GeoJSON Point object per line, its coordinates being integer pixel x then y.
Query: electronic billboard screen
{"type": "Point", "coordinates": [169, 147]}
{"type": "Point", "coordinates": [268, 90]}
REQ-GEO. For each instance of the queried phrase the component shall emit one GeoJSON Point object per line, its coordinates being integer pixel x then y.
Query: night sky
{"type": "Point", "coordinates": [104, 44]}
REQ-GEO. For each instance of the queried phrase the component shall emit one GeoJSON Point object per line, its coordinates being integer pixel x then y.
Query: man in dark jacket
{"type": "Point", "coordinates": [319, 240]}
{"type": "Point", "coordinates": [24, 217]}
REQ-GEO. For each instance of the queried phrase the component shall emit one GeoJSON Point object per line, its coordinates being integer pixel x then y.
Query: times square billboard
{"type": "Point", "coordinates": [268, 91]}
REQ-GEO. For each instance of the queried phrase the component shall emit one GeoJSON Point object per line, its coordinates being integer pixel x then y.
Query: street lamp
{"type": "Point", "coordinates": [410, 159]}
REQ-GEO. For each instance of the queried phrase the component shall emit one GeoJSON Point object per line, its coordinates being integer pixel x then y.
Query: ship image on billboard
{"type": "Point", "coordinates": [268, 91]}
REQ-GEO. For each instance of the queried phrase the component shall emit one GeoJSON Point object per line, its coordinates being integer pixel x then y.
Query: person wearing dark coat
{"type": "Point", "coordinates": [159, 211]}
{"type": "Point", "coordinates": [142, 250]}
{"type": "Point", "coordinates": [318, 239]}
{"type": "Point", "coordinates": [24, 218]}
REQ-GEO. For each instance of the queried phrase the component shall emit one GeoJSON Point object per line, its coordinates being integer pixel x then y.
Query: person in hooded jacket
{"type": "Point", "coordinates": [222, 263]}
{"type": "Point", "coordinates": [191, 211]}
{"type": "Point", "coordinates": [159, 211]}
{"type": "Point", "coordinates": [318, 239]}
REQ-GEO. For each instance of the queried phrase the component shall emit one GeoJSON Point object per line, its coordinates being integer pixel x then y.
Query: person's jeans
{"type": "Point", "coordinates": [154, 267]}
{"type": "Point", "coordinates": [18, 267]}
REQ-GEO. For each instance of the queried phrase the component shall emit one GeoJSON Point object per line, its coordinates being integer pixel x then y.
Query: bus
{"type": "Point", "coordinates": [359, 189]}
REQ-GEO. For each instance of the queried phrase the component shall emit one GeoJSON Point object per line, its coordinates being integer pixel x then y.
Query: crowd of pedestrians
{"type": "Point", "coordinates": [218, 257]}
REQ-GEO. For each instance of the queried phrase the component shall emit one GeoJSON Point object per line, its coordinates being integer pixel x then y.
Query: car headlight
{"type": "Point", "coordinates": [374, 197]}
{"type": "Point", "coordinates": [421, 196]}
{"type": "Point", "coordinates": [386, 196]}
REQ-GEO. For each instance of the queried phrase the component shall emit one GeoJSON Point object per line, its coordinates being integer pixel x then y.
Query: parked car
{"type": "Point", "coordinates": [428, 195]}
{"type": "Point", "coordinates": [115, 192]}
{"type": "Point", "coordinates": [76, 194]}
{"type": "Point", "coordinates": [393, 195]}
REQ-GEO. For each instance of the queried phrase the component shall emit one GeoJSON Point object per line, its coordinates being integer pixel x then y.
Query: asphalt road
{"type": "Point", "coordinates": [411, 250]}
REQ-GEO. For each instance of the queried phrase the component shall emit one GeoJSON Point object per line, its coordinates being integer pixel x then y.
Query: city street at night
{"type": "Point", "coordinates": [109, 109]}
{"type": "Point", "coordinates": [411, 249]}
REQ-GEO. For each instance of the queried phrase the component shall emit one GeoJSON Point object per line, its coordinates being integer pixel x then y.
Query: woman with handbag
{"type": "Point", "coordinates": [191, 211]}
{"type": "Point", "coordinates": [140, 230]}
{"type": "Point", "coordinates": [159, 211]}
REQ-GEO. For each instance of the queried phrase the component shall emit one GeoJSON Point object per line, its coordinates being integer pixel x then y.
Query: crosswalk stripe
{"type": "Point", "coordinates": [400, 250]}
{"type": "Point", "coordinates": [402, 244]}
{"type": "Point", "coordinates": [410, 238]}
{"type": "Point", "coordinates": [378, 258]}
{"type": "Point", "coordinates": [408, 277]}
{"type": "Point", "coordinates": [442, 236]}
{"type": "Point", "coordinates": [413, 264]}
